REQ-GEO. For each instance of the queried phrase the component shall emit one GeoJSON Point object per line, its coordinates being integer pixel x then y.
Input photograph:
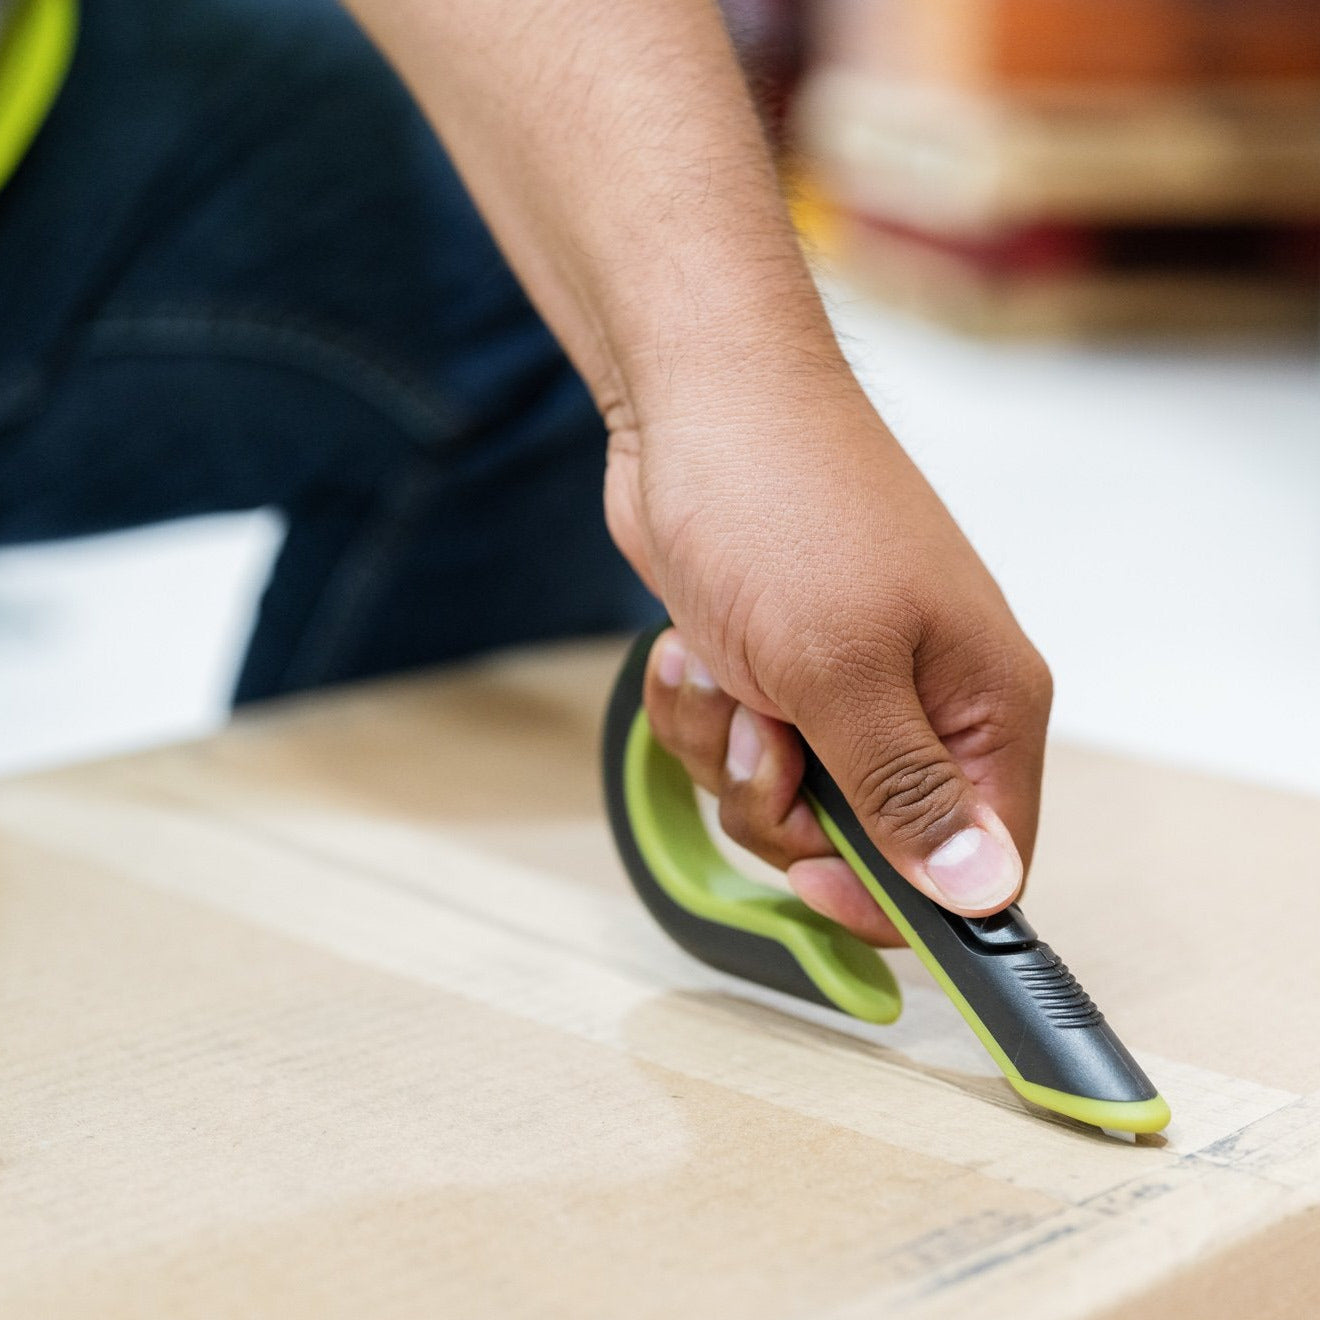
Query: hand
{"type": "Point", "coordinates": [817, 581]}
{"type": "Point", "coordinates": [615, 154]}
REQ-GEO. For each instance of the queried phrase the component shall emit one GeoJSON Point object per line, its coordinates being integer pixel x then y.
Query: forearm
{"type": "Point", "coordinates": [807, 565]}
{"type": "Point", "coordinates": [613, 150]}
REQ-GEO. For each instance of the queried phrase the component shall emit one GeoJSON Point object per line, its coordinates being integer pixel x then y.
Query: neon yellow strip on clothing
{"type": "Point", "coordinates": [35, 51]}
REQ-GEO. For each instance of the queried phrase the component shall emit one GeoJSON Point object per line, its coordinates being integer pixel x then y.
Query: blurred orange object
{"type": "Point", "coordinates": [1008, 44]}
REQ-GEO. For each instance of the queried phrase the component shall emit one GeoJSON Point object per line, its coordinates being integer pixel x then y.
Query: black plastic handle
{"type": "Point", "coordinates": [1043, 1030]}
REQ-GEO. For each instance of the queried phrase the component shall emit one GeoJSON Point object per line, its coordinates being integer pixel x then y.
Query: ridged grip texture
{"type": "Point", "coordinates": [1055, 989]}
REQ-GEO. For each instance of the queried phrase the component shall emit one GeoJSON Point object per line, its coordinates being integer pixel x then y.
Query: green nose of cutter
{"type": "Point", "coordinates": [1041, 1028]}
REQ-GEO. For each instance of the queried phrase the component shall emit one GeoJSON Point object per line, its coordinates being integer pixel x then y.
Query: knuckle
{"type": "Point", "coordinates": [1036, 681]}
{"type": "Point", "coordinates": [911, 795]}
{"type": "Point", "coordinates": [736, 821]}
{"type": "Point", "coordinates": [678, 728]}
{"type": "Point", "coordinates": [1042, 679]}
{"type": "Point", "coordinates": [691, 743]}
{"type": "Point", "coordinates": [697, 749]}
{"type": "Point", "coordinates": [700, 739]}
{"type": "Point", "coordinates": [662, 713]}
{"type": "Point", "coordinates": [741, 822]}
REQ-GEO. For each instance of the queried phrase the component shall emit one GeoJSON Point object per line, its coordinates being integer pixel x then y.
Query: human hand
{"type": "Point", "coordinates": [817, 581]}
{"type": "Point", "coordinates": [615, 154]}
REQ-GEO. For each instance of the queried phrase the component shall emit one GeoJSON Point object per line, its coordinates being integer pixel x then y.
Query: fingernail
{"type": "Point", "coordinates": [744, 753]}
{"type": "Point", "coordinates": [698, 676]}
{"type": "Point", "coordinates": [670, 662]}
{"type": "Point", "coordinates": [975, 868]}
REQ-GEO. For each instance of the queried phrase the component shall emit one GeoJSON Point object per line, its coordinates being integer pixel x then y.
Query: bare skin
{"type": "Point", "coordinates": [814, 578]}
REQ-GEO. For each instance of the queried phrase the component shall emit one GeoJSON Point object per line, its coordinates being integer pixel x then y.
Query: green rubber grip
{"type": "Point", "coordinates": [1050, 1041]}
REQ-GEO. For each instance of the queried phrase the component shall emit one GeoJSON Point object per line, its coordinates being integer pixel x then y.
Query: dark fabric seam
{"type": "Point", "coordinates": [284, 341]}
{"type": "Point", "coordinates": [352, 581]}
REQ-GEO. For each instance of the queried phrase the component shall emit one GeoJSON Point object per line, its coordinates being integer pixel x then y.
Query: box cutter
{"type": "Point", "coordinates": [1041, 1028]}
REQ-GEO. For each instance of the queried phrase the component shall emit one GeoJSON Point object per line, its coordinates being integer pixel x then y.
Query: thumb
{"type": "Point", "coordinates": [920, 809]}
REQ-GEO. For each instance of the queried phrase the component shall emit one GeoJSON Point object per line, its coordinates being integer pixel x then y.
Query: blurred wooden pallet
{"type": "Point", "coordinates": [945, 159]}
{"type": "Point", "coordinates": [1011, 44]}
{"type": "Point", "coordinates": [1069, 303]}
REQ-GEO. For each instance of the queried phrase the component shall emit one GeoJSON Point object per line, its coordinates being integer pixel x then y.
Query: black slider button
{"type": "Point", "coordinates": [1003, 930]}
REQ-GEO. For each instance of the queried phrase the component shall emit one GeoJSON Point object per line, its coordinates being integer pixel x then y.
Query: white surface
{"type": "Point", "coordinates": [116, 642]}
{"type": "Point", "coordinates": [1154, 519]}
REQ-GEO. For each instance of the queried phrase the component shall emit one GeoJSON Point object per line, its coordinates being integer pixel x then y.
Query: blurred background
{"type": "Point", "coordinates": [1073, 249]}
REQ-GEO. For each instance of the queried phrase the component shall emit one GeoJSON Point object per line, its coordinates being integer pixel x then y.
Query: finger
{"type": "Point", "coordinates": [828, 885]}
{"type": "Point", "coordinates": [1008, 774]}
{"type": "Point", "coordinates": [913, 798]}
{"type": "Point", "coordinates": [759, 803]}
{"type": "Point", "coordinates": [755, 765]}
{"type": "Point", "coordinates": [689, 714]}
{"type": "Point", "coordinates": [762, 809]}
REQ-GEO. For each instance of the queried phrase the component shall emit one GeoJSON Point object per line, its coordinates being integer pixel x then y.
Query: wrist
{"type": "Point", "coordinates": [726, 366]}
{"type": "Point", "coordinates": [710, 340]}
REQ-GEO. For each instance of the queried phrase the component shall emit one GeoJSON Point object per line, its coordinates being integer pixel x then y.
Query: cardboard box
{"type": "Point", "coordinates": [350, 1012]}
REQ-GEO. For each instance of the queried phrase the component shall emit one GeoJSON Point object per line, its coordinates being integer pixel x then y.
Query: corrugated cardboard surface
{"type": "Point", "coordinates": [350, 1011]}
